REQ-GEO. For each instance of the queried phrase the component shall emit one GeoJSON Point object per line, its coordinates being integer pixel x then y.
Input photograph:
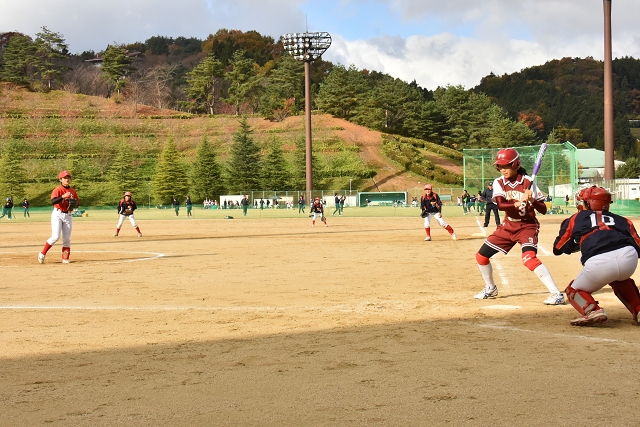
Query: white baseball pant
{"type": "Point", "coordinates": [61, 223]}
{"type": "Point", "coordinates": [602, 269]}
{"type": "Point", "coordinates": [121, 220]}
{"type": "Point", "coordinates": [317, 214]}
{"type": "Point", "coordinates": [438, 217]}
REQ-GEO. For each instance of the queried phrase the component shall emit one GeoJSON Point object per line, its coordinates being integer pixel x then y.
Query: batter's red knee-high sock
{"type": "Point", "coordinates": [627, 293]}
{"type": "Point", "coordinates": [428, 230]}
{"type": "Point", "coordinates": [47, 246]}
{"type": "Point", "coordinates": [449, 229]}
{"type": "Point", "coordinates": [66, 252]}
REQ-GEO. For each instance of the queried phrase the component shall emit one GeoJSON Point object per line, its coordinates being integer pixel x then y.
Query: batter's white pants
{"type": "Point", "coordinates": [438, 217]}
{"type": "Point", "coordinates": [121, 220]}
{"type": "Point", "coordinates": [61, 223]}
{"type": "Point", "coordinates": [602, 269]}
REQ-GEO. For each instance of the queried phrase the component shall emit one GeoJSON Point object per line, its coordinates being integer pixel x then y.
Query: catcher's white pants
{"type": "Point", "coordinates": [61, 223]}
{"type": "Point", "coordinates": [121, 220]}
{"type": "Point", "coordinates": [438, 217]}
{"type": "Point", "coordinates": [602, 269]}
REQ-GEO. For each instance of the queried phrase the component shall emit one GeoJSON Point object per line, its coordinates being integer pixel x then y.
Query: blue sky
{"type": "Point", "coordinates": [436, 43]}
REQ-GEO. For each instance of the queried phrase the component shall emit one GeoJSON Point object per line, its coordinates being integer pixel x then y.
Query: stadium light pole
{"type": "Point", "coordinates": [609, 168]}
{"type": "Point", "coordinates": [307, 47]}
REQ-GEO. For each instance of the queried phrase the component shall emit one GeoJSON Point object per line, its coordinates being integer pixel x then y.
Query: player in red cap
{"type": "Point", "coordinates": [609, 246]}
{"type": "Point", "coordinates": [518, 196]}
{"type": "Point", "coordinates": [432, 207]}
{"type": "Point", "coordinates": [64, 200]}
{"type": "Point", "coordinates": [125, 209]}
{"type": "Point", "coordinates": [318, 209]}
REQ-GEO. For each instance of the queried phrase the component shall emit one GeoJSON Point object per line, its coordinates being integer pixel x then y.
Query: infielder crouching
{"type": "Point", "coordinates": [125, 209]}
{"type": "Point", "coordinates": [318, 210]}
{"type": "Point", "coordinates": [610, 247]}
{"type": "Point", "coordinates": [432, 206]}
{"type": "Point", "coordinates": [64, 199]}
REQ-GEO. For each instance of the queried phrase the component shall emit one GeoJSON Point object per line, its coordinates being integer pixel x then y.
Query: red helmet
{"type": "Point", "coordinates": [428, 187]}
{"type": "Point", "coordinates": [598, 198]}
{"type": "Point", "coordinates": [127, 194]}
{"type": "Point", "coordinates": [317, 198]}
{"type": "Point", "coordinates": [580, 198]}
{"type": "Point", "coordinates": [508, 156]}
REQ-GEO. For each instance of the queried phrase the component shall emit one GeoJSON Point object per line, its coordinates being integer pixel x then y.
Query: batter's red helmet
{"type": "Point", "coordinates": [597, 198]}
{"type": "Point", "coordinates": [508, 156]}
{"type": "Point", "coordinates": [127, 194]}
{"type": "Point", "coordinates": [428, 187]}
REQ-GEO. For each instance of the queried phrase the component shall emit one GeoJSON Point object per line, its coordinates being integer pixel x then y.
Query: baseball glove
{"type": "Point", "coordinates": [128, 212]}
{"type": "Point", "coordinates": [323, 219]}
{"type": "Point", "coordinates": [73, 203]}
{"type": "Point", "coordinates": [424, 213]}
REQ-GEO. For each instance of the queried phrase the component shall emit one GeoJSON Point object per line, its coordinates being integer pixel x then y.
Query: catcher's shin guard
{"type": "Point", "coordinates": [581, 300]}
{"type": "Point", "coordinates": [627, 293]}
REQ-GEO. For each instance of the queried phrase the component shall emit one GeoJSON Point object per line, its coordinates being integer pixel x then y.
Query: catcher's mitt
{"type": "Point", "coordinates": [324, 219]}
{"type": "Point", "coordinates": [73, 203]}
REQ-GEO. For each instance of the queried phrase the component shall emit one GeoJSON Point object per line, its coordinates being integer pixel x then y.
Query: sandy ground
{"type": "Point", "coordinates": [269, 322]}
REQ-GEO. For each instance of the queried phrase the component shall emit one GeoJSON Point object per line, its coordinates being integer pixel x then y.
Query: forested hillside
{"type": "Point", "coordinates": [568, 95]}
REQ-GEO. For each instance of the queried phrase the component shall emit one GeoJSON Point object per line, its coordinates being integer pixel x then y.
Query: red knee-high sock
{"type": "Point", "coordinates": [138, 229]}
{"type": "Point", "coordinates": [66, 252]}
{"type": "Point", "coordinates": [449, 229]}
{"type": "Point", "coordinates": [47, 246]}
{"type": "Point", "coordinates": [117, 230]}
{"type": "Point", "coordinates": [428, 230]}
{"type": "Point", "coordinates": [627, 293]}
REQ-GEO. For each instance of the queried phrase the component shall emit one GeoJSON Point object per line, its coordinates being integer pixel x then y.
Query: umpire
{"type": "Point", "coordinates": [487, 195]}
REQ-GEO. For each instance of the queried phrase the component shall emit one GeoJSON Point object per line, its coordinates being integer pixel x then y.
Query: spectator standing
{"type": "Point", "coordinates": [189, 206]}
{"type": "Point", "coordinates": [245, 205]}
{"type": "Point", "coordinates": [6, 210]}
{"type": "Point", "coordinates": [465, 201]}
{"type": "Point", "coordinates": [491, 206]}
{"type": "Point", "coordinates": [300, 204]}
{"type": "Point", "coordinates": [342, 199]}
{"type": "Point", "coordinates": [25, 207]}
{"type": "Point", "coordinates": [176, 205]}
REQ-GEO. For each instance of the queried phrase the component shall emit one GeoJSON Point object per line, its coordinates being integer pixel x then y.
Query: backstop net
{"type": "Point", "coordinates": [558, 167]}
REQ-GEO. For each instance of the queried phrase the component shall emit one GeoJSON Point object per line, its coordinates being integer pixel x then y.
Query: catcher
{"type": "Point", "coordinates": [432, 207]}
{"type": "Point", "coordinates": [125, 209]}
{"type": "Point", "coordinates": [318, 209]}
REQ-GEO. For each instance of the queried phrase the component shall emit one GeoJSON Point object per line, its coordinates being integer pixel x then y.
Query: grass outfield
{"type": "Point", "coordinates": [105, 214]}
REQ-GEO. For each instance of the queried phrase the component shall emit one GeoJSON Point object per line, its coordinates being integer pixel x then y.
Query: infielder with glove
{"type": "Point", "coordinates": [64, 199]}
{"type": "Point", "coordinates": [609, 248]}
{"type": "Point", "coordinates": [432, 207]}
{"type": "Point", "coordinates": [125, 210]}
{"type": "Point", "coordinates": [518, 196]}
{"type": "Point", "coordinates": [318, 209]}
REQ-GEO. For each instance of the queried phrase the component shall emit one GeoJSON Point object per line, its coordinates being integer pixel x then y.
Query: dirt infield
{"type": "Point", "coordinates": [269, 322]}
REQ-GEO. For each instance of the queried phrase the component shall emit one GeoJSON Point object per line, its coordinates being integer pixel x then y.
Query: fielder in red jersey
{"type": "Point", "coordinates": [63, 199]}
{"type": "Point", "coordinates": [519, 198]}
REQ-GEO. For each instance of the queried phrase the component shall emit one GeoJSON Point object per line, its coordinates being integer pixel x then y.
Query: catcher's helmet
{"type": "Point", "coordinates": [428, 187]}
{"type": "Point", "coordinates": [597, 198]}
{"type": "Point", "coordinates": [127, 194]}
{"type": "Point", "coordinates": [508, 156]}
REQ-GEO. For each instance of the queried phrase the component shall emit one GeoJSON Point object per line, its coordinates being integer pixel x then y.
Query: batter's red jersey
{"type": "Point", "coordinates": [59, 191]}
{"type": "Point", "coordinates": [513, 191]}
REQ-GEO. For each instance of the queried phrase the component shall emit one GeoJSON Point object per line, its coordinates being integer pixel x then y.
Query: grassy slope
{"type": "Point", "coordinates": [57, 124]}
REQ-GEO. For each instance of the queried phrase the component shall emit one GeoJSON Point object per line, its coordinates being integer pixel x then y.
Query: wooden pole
{"type": "Point", "coordinates": [609, 168]}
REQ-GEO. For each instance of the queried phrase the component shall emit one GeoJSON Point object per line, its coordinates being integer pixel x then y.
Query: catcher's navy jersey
{"type": "Point", "coordinates": [124, 206]}
{"type": "Point", "coordinates": [583, 232]}
{"type": "Point", "coordinates": [431, 204]}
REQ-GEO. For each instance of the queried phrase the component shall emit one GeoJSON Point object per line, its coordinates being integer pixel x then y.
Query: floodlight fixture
{"type": "Point", "coordinates": [306, 46]}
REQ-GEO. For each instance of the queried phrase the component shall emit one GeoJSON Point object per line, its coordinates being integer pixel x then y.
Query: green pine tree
{"type": "Point", "coordinates": [275, 173]}
{"type": "Point", "coordinates": [19, 58]}
{"type": "Point", "coordinates": [204, 85]}
{"type": "Point", "coordinates": [12, 174]}
{"type": "Point", "coordinates": [123, 174]}
{"type": "Point", "coordinates": [170, 179]}
{"type": "Point", "coordinates": [115, 66]}
{"type": "Point", "coordinates": [50, 47]}
{"type": "Point", "coordinates": [206, 179]}
{"type": "Point", "coordinates": [244, 166]}
{"type": "Point", "coordinates": [76, 168]}
{"type": "Point", "coordinates": [299, 175]}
